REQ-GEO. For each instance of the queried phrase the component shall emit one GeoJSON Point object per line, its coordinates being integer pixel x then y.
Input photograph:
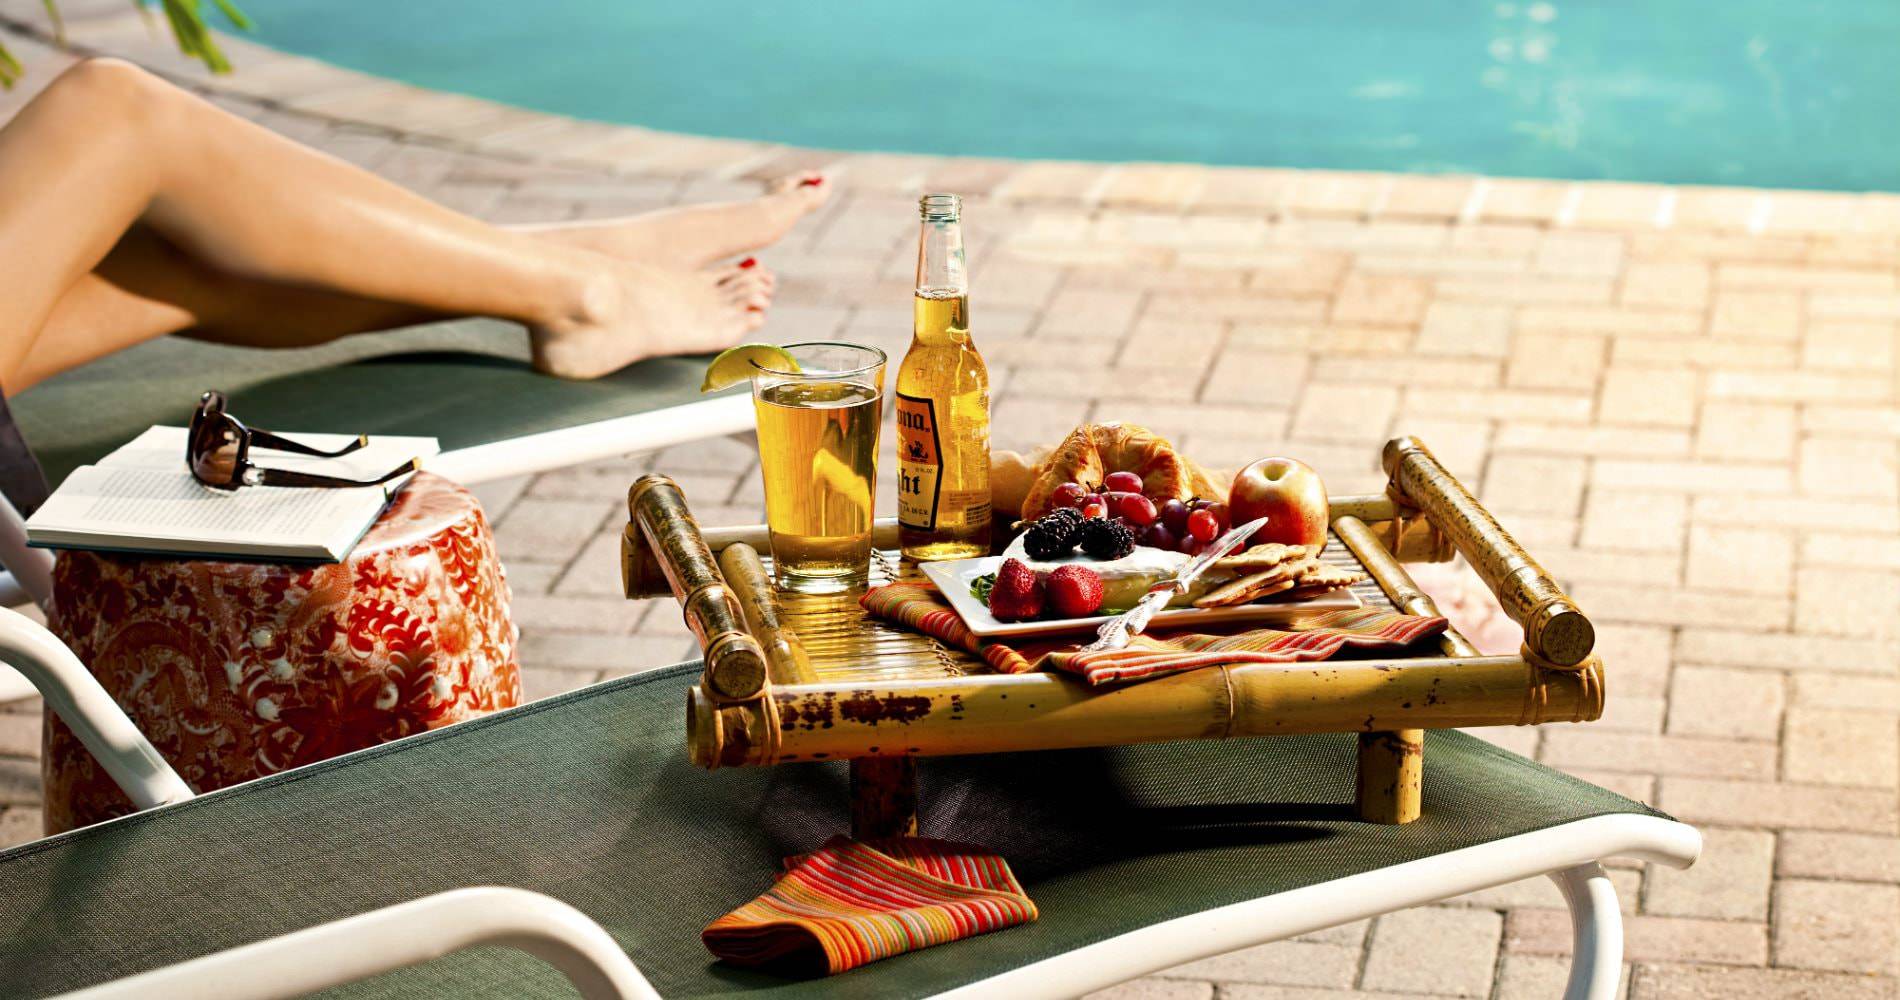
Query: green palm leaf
{"type": "Point", "coordinates": [187, 21]}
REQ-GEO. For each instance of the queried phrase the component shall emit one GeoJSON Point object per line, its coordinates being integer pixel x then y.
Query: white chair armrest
{"type": "Point", "coordinates": [31, 568]}
{"type": "Point", "coordinates": [13, 593]}
{"type": "Point", "coordinates": [411, 933]}
{"type": "Point", "coordinates": [602, 439]}
{"type": "Point", "coordinates": [71, 690]}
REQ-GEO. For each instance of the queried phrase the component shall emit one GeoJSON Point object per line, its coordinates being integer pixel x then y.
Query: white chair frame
{"type": "Point", "coordinates": [357, 947]}
{"type": "Point", "coordinates": [378, 941]}
{"type": "Point", "coordinates": [410, 933]}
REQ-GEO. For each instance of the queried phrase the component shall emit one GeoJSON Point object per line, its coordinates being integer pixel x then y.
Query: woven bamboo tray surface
{"type": "Point", "coordinates": [846, 644]}
{"type": "Point", "coordinates": [588, 797]}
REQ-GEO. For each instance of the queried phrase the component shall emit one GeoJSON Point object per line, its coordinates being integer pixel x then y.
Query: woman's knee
{"type": "Point", "coordinates": [110, 90]}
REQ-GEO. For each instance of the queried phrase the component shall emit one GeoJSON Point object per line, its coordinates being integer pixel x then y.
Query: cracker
{"type": "Point", "coordinates": [1247, 588]}
{"type": "Point", "coordinates": [1324, 577]}
{"type": "Point", "coordinates": [1260, 557]}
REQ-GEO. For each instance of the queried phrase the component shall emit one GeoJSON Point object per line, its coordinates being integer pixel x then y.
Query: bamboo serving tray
{"type": "Point", "coordinates": [793, 677]}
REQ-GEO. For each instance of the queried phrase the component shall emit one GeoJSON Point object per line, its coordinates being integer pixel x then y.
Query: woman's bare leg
{"type": "Point", "coordinates": [147, 288]}
{"type": "Point", "coordinates": [108, 146]}
{"type": "Point", "coordinates": [697, 235]}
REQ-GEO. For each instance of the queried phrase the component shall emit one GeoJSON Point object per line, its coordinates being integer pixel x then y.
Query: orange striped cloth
{"type": "Point", "coordinates": [849, 903]}
{"type": "Point", "coordinates": [920, 607]}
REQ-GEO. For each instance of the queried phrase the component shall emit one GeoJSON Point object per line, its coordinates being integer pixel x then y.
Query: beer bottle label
{"type": "Point", "coordinates": [919, 462]}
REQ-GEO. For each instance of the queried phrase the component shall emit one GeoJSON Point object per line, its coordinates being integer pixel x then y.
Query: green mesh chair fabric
{"type": "Point", "coordinates": [589, 798]}
{"type": "Point", "coordinates": [465, 382]}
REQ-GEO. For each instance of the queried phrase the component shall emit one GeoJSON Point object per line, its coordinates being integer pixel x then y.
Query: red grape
{"type": "Point", "coordinates": [1068, 495]}
{"type": "Point", "coordinates": [1138, 509]}
{"type": "Point", "coordinates": [1192, 546]}
{"type": "Point", "coordinates": [1199, 503]}
{"type": "Point", "coordinates": [1158, 536]}
{"type": "Point", "coordinates": [1219, 510]}
{"type": "Point", "coordinates": [1202, 526]}
{"type": "Point", "coordinates": [1095, 507]}
{"type": "Point", "coordinates": [1122, 482]}
{"type": "Point", "coordinates": [1174, 514]}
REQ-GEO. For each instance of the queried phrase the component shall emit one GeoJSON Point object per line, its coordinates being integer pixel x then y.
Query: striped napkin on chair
{"type": "Point", "coordinates": [849, 903]}
{"type": "Point", "coordinates": [920, 607]}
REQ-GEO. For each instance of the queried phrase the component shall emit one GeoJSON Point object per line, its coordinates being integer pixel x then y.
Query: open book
{"type": "Point", "coordinates": [141, 498]}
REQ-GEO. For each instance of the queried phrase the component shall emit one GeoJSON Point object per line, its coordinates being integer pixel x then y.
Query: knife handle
{"type": "Point", "coordinates": [1115, 632]}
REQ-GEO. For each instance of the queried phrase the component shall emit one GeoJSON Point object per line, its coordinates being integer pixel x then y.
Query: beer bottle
{"type": "Point", "coordinates": [943, 404]}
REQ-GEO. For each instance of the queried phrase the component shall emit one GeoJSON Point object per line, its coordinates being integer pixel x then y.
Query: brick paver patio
{"type": "Point", "coordinates": [1683, 400]}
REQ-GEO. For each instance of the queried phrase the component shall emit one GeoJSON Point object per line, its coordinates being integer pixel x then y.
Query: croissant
{"type": "Point", "coordinates": [1092, 451]}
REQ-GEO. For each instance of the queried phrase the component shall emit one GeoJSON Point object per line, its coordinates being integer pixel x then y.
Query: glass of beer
{"type": "Point", "coordinates": [818, 438]}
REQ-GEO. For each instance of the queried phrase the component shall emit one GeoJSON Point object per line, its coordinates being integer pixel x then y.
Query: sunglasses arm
{"type": "Point", "coordinates": [265, 439]}
{"type": "Point", "coordinates": [285, 477]}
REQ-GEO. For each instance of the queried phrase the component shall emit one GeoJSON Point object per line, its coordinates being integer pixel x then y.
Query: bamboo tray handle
{"type": "Point", "coordinates": [785, 656]}
{"type": "Point", "coordinates": [1555, 629]}
{"type": "Point", "coordinates": [735, 663]}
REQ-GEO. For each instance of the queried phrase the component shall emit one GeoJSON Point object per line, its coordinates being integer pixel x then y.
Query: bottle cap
{"type": "Point", "coordinates": [940, 207]}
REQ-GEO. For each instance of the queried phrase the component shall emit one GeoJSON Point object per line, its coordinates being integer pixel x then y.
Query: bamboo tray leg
{"type": "Point", "coordinates": [883, 797]}
{"type": "Point", "coordinates": [1391, 782]}
{"type": "Point", "coordinates": [1390, 787]}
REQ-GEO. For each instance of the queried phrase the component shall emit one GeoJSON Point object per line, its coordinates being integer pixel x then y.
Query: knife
{"type": "Point", "coordinates": [1117, 631]}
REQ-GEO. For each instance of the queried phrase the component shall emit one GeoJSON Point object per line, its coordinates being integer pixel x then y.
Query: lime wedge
{"type": "Point", "coordinates": [737, 364]}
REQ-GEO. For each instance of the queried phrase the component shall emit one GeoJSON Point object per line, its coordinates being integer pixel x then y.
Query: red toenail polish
{"type": "Point", "coordinates": [811, 182]}
{"type": "Point", "coordinates": [755, 309]}
{"type": "Point", "coordinates": [749, 262]}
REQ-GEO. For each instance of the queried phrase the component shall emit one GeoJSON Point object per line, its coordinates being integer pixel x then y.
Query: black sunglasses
{"type": "Point", "coordinates": [219, 453]}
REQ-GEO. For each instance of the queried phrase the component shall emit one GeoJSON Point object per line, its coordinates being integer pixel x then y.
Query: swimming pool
{"type": "Point", "coordinates": [1755, 92]}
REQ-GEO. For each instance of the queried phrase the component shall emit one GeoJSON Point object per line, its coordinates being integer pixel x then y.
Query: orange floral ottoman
{"type": "Point", "coordinates": [236, 670]}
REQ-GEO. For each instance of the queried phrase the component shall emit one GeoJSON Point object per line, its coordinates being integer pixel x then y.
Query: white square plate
{"type": "Point", "coordinates": [952, 578]}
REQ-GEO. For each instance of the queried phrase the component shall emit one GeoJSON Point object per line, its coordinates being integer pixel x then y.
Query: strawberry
{"type": "Point", "coordinates": [1017, 594]}
{"type": "Point", "coordinates": [1074, 591]}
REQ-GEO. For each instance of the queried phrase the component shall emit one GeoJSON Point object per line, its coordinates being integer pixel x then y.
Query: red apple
{"type": "Point", "coordinates": [1287, 492]}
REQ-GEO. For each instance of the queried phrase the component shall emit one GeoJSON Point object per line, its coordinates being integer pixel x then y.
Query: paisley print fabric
{"type": "Point", "coordinates": [236, 670]}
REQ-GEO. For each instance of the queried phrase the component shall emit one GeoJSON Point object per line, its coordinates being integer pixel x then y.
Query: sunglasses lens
{"type": "Point", "coordinates": [214, 452]}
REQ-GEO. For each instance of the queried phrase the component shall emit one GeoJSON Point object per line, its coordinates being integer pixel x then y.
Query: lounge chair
{"type": "Point", "coordinates": [465, 382]}
{"type": "Point", "coordinates": [574, 830]}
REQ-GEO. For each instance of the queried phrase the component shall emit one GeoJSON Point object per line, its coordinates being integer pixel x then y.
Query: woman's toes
{"type": "Point", "coordinates": [749, 267]}
{"type": "Point", "coordinates": [765, 279]}
{"type": "Point", "coordinates": [747, 293]}
{"type": "Point", "coordinates": [803, 192]}
{"type": "Point", "coordinates": [734, 278]}
{"type": "Point", "coordinates": [808, 181]}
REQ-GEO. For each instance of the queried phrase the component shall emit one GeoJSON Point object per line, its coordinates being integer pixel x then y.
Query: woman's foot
{"type": "Point", "coordinates": [634, 311]}
{"type": "Point", "coordinates": [697, 235]}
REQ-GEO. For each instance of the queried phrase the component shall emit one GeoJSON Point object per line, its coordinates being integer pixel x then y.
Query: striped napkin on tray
{"type": "Point", "coordinates": [851, 902]}
{"type": "Point", "coordinates": [919, 607]}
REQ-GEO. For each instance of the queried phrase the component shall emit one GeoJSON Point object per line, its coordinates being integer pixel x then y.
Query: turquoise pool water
{"type": "Point", "coordinates": [1757, 92]}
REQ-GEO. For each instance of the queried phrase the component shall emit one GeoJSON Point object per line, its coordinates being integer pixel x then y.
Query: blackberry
{"type": "Point", "coordinates": [1051, 537]}
{"type": "Point", "coordinates": [1069, 514]}
{"type": "Point", "coordinates": [1106, 539]}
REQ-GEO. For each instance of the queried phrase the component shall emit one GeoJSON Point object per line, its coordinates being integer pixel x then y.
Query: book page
{"type": "Point", "coordinates": [142, 496]}
{"type": "Point", "coordinates": [142, 502]}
